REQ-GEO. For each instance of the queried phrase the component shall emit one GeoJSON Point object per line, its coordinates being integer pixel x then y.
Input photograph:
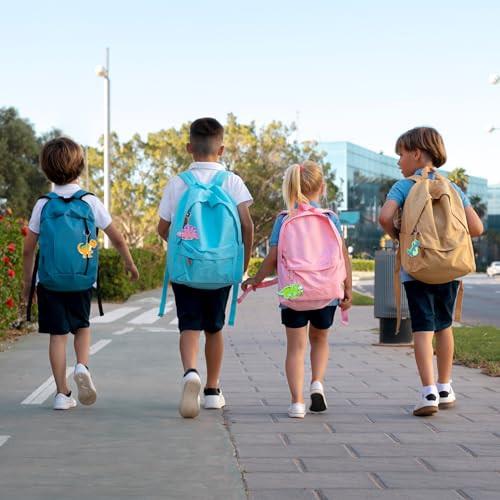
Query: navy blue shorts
{"type": "Point", "coordinates": [200, 309]}
{"type": "Point", "coordinates": [431, 306]}
{"type": "Point", "coordinates": [62, 312]}
{"type": "Point", "coordinates": [321, 319]}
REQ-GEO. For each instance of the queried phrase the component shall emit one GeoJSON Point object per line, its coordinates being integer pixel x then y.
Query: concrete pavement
{"type": "Point", "coordinates": [133, 444]}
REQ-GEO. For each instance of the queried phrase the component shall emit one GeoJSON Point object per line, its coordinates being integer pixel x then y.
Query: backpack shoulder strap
{"type": "Point", "coordinates": [49, 196]}
{"type": "Point", "coordinates": [188, 178]}
{"type": "Point", "coordinates": [80, 194]}
{"type": "Point", "coordinates": [220, 177]}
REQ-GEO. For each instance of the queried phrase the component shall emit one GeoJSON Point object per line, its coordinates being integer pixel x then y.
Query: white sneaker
{"type": "Point", "coordinates": [189, 406]}
{"type": "Point", "coordinates": [63, 402]}
{"type": "Point", "coordinates": [447, 399]}
{"type": "Point", "coordinates": [297, 410]}
{"type": "Point", "coordinates": [318, 399]}
{"type": "Point", "coordinates": [214, 401]}
{"type": "Point", "coordinates": [87, 393]}
{"type": "Point", "coordinates": [427, 405]}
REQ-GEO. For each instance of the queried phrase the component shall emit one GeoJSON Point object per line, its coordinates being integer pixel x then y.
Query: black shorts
{"type": "Point", "coordinates": [62, 312]}
{"type": "Point", "coordinates": [321, 319]}
{"type": "Point", "coordinates": [200, 309]}
{"type": "Point", "coordinates": [431, 306]}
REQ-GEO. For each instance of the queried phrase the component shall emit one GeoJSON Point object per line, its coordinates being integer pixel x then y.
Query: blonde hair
{"type": "Point", "coordinates": [300, 182]}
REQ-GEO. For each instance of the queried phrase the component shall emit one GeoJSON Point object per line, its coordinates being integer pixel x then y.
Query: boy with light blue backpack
{"type": "Point", "coordinates": [204, 216]}
{"type": "Point", "coordinates": [64, 226]}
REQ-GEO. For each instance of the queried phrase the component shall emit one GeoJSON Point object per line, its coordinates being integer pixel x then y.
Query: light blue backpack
{"type": "Point", "coordinates": [205, 246]}
{"type": "Point", "coordinates": [67, 259]}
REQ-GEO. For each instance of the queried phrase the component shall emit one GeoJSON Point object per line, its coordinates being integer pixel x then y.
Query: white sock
{"type": "Point", "coordinates": [444, 387]}
{"type": "Point", "coordinates": [429, 389]}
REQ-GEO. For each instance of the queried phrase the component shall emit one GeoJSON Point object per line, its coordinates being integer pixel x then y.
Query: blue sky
{"type": "Point", "coordinates": [361, 71]}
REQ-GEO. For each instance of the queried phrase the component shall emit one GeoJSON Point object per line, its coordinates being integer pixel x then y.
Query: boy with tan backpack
{"type": "Point", "coordinates": [435, 249]}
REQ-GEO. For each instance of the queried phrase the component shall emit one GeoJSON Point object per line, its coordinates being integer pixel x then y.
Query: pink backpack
{"type": "Point", "coordinates": [311, 267]}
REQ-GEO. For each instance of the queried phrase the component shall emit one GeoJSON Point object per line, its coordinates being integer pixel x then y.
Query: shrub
{"type": "Point", "coordinates": [116, 285]}
{"type": "Point", "coordinates": [12, 231]}
{"type": "Point", "coordinates": [363, 265]}
{"type": "Point", "coordinates": [254, 265]}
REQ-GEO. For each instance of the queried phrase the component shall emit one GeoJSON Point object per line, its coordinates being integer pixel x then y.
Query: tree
{"type": "Point", "coordinates": [21, 180]}
{"type": "Point", "coordinates": [460, 178]}
{"type": "Point", "coordinates": [478, 205]}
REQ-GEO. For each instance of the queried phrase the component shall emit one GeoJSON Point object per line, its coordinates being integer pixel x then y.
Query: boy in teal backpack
{"type": "Point", "coordinates": [204, 215]}
{"type": "Point", "coordinates": [64, 225]}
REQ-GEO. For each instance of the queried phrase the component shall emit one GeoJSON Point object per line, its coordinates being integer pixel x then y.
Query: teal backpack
{"type": "Point", "coordinates": [67, 259]}
{"type": "Point", "coordinates": [205, 245]}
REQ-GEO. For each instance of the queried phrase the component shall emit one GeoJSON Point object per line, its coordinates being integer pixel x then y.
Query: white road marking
{"type": "Point", "coordinates": [113, 315]}
{"type": "Point", "coordinates": [123, 331]}
{"type": "Point", "coordinates": [147, 318]}
{"type": "Point", "coordinates": [175, 321]}
{"type": "Point", "coordinates": [99, 345]}
{"type": "Point", "coordinates": [39, 395]}
{"type": "Point", "coordinates": [3, 440]}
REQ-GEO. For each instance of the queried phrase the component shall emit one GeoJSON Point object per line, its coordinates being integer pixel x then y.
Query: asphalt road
{"type": "Point", "coordinates": [481, 299]}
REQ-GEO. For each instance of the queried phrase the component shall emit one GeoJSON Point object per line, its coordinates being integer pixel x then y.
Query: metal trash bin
{"type": "Point", "coordinates": [385, 305]}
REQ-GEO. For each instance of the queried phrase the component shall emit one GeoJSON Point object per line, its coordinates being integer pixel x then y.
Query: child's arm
{"type": "Point", "coordinates": [29, 250]}
{"type": "Point", "coordinates": [346, 303]}
{"type": "Point", "coordinates": [267, 268]}
{"type": "Point", "coordinates": [119, 243]}
{"type": "Point", "coordinates": [386, 218]}
{"type": "Point", "coordinates": [163, 229]}
{"type": "Point", "coordinates": [247, 231]}
{"type": "Point", "coordinates": [474, 222]}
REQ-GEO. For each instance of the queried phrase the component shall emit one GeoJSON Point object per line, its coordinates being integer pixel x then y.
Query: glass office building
{"type": "Point", "coordinates": [494, 207]}
{"type": "Point", "coordinates": [364, 178]}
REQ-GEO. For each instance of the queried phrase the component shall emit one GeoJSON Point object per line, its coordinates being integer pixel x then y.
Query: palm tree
{"type": "Point", "coordinates": [460, 178]}
{"type": "Point", "coordinates": [478, 205]}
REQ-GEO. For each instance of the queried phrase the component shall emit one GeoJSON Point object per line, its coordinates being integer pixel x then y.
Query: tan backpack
{"type": "Point", "coordinates": [434, 242]}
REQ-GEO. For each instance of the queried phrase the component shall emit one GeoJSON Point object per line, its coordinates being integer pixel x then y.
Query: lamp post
{"type": "Point", "coordinates": [103, 72]}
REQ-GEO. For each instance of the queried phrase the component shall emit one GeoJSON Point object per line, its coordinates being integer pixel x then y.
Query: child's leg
{"type": "Point", "coordinates": [189, 345]}
{"type": "Point", "coordinates": [82, 345]}
{"type": "Point", "coordinates": [214, 352]}
{"type": "Point", "coordinates": [57, 356]}
{"type": "Point", "coordinates": [444, 351]}
{"type": "Point", "coordinates": [319, 353]}
{"type": "Point", "coordinates": [295, 353]}
{"type": "Point", "coordinates": [424, 353]}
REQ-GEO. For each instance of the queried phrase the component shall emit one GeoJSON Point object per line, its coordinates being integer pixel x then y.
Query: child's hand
{"type": "Point", "coordinates": [248, 283]}
{"type": "Point", "coordinates": [346, 302]}
{"type": "Point", "coordinates": [134, 273]}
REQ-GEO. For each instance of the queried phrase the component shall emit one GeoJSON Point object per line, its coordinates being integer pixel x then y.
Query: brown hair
{"type": "Point", "coordinates": [206, 135]}
{"type": "Point", "coordinates": [301, 181]}
{"type": "Point", "coordinates": [426, 139]}
{"type": "Point", "coordinates": [62, 160]}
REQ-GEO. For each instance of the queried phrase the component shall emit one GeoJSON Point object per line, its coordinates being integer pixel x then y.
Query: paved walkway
{"type": "Point", "coordinates": [132, 444]}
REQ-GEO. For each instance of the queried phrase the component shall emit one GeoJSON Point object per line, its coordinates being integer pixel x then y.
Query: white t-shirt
{"type": "Point", "coordinates": [203, 171]}
{"type": "Point", "coordinates": [101, 215]}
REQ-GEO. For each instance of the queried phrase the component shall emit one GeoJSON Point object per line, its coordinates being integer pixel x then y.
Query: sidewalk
{"type": "Point", "coordinates": [368, 445]}
{"type": "Point", "coordinates": [133, 445]}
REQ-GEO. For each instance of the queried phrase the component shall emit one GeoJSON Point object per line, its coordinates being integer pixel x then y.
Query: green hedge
{"type": "Point", "coordinates": [254, 265]}
{"type": "Point", "coordinates": [116, 285]}
{"type": "Point", "coordinates": [363, 265]}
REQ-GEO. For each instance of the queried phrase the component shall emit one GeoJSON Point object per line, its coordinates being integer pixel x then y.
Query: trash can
{"type": "Point", "coordinates": [385, 304]}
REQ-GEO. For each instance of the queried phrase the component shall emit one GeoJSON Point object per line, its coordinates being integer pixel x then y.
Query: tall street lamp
{"type": "Point", "coordinates": [103, 72]}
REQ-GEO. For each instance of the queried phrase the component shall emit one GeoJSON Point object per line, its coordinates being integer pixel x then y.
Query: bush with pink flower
{"type": "Point", "coordinates": [12, 232]}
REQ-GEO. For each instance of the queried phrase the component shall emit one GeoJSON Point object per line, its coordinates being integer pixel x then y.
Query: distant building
{"type": "Point", "coordinates": [364, 178]}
